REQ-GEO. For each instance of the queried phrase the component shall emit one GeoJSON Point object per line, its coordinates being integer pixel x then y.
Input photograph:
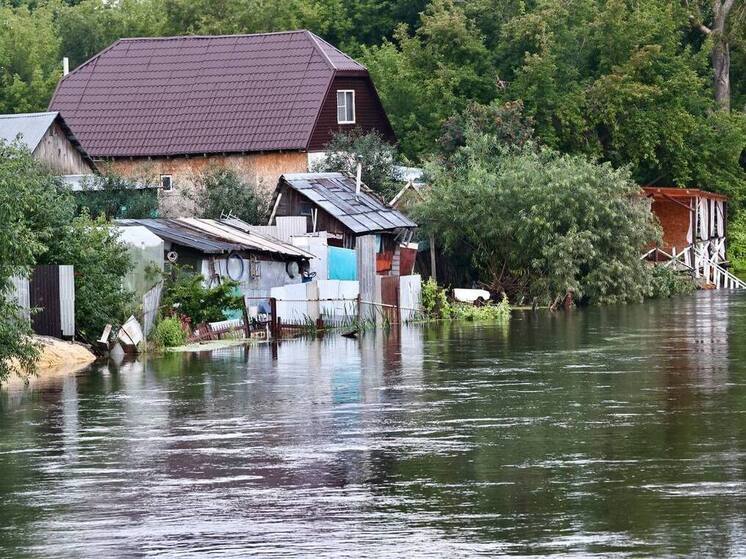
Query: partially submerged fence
{"type": "Point", "coordinates": [338, 303]}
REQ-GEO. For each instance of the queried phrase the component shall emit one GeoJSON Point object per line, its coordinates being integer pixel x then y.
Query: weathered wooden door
{"type": "Point", "coordinates": [390, 298]}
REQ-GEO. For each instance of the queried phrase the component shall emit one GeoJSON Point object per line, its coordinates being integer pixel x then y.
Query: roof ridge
{"type": "Point", "coordinates": [29, 115]}
{"type": "Point", "coordinates": [316, 40]}
{"type": "Point", "coordinates": [223, 36]}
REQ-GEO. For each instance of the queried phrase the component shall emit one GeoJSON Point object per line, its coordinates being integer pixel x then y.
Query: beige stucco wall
{"type": "Point", "coordinates": [263, 169]}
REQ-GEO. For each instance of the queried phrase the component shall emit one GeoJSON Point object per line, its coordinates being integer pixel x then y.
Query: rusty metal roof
{"type": "Point", "coordinates": [214, 237]}
{"type": "Point", "coordinates": [676, 192]}
{"type": "Point", "coordinates": [190, 95]}
{"type": "Point", "coordinates": [335, 194]}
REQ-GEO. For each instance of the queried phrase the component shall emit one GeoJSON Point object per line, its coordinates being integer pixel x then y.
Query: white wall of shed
{"type": "Point", "coordinates": [146, 250]}
{"type": "Point", "coordinates": [273, 274]}
{"type": "Point", "coordinates": [318, 245]}
{"type": "Point", "coordinates": [20, 294]}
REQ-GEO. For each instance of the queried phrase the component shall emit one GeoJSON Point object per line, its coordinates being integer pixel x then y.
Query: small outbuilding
{"type": "Point", "coordinates": [689, 216]}
{"type": "Point", "coordinates": [218, 250]}
{"type": "Point", "coordinates": [50, 141]}
{"type": "Point", "coordinates": [694, 224]}
{"type": "Point", "coordinates": [346, 209]}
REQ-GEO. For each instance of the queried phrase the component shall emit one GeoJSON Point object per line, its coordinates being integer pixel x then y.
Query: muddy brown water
{"type": "Point", "coordinates": [609, 432]}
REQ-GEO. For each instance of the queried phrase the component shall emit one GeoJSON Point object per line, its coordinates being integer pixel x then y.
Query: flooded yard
{"type": "Point", "coordinates": [614, 431]}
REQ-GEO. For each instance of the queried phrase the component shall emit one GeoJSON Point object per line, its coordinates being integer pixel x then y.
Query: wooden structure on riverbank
{"type": "Point", "coordinates": [694, 226]}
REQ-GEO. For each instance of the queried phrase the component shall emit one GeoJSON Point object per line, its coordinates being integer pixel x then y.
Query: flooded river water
{"type": "Point", "coordinates": [610, 432]}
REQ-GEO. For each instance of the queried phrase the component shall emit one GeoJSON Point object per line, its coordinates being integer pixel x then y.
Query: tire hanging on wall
{"type": "Point", "coordinates": [235, 257]}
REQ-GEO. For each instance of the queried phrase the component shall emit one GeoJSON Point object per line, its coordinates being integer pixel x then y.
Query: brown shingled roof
{"type": "Point", "coordinates": [189, 95]}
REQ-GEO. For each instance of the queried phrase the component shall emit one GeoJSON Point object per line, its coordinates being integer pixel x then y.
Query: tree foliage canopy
{"type": "Point", "coordinates": [538, 223]}
{"type": "Point", "coordinates": [38, 225]}
{"type": "Point", "coordinates": [219, 192]}
{"type": "Point", "coordinates": [371, 151]}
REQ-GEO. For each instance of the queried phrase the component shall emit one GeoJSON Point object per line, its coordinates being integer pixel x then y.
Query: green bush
{"type": "Point", "coordinates": [666, 282]}
{"type": "Point", "coordinates": [434, 302]}
{"type": "Point", "coordinates": [185, 293]}
{"type": "Point", "coordinates": [221, 191]}
{"type": "Point", "coordinates": [488, 312]}
{"type": "Point", "coordinates": [116, 198]}
{"type": "Point", "coordinates": [101, 261]}
{"type": "Point", "coordinates": [169, 333]}
{"type": "Point", "coordinates": [538, 223]}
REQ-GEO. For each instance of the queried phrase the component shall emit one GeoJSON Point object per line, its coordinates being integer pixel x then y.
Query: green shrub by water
{"type": "Point", "coordinates": [490, 311]}
{"type": "Point", "coordinates": [186, 293]}
{"type": "Point", "coordinates": [666, 282]}
{"type": "Point", "coordinates": [169, 333]}
{"type": "Point", "coordinates": [435, 305]}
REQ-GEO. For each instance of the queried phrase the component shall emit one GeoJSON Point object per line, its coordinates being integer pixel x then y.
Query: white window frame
{"type": "Point", "coordinates": [345, 92]}
{"type": "Point", "coordinates": [170, 183]}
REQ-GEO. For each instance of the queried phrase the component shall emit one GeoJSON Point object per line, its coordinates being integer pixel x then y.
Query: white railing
{"type": "Point", "coordinates": [706, 263]}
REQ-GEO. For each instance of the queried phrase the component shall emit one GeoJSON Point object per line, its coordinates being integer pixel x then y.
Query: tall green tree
{"type": "Point", "coordinates": [31, 210]}
{"type": "Point", "coordinates": [537, 223]}
{"type": "Point", "coordinates": [30, 61]}
{"type": "Point", "coordinates": [426, 77]}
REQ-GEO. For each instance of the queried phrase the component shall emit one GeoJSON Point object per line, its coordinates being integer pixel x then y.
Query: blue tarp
{"type": "Point", "coordinates": [342, 264]}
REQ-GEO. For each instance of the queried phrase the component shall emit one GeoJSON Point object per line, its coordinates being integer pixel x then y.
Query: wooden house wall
{"type": "Point", "coordinates": [59, 154]}
{"type": "Point", "coordinates": [369, 112]}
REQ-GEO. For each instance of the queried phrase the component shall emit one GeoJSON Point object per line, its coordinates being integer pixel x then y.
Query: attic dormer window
{"type": "Point", "coordinates": [345, 106]}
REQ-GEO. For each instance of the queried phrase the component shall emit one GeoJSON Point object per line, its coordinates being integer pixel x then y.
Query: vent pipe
{"type": "Point", "coordinates": [358, 180]}
{"type": "Point", "coordinates": [65, 66]}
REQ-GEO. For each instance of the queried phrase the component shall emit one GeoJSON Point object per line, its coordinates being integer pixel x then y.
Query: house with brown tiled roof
{"type": "Point", "coordinates": [165, 109]}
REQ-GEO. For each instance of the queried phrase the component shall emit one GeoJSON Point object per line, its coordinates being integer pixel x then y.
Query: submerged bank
{"type": "Point", "coordinates": [57, 358]}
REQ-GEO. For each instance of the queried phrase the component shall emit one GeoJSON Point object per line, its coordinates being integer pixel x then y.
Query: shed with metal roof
{"type": "Point", "coordinates": [218, 250]}
{"type": "Point", "coordinates": [49, 139]}
{"type": "Point", "coordinates": [334, 203]}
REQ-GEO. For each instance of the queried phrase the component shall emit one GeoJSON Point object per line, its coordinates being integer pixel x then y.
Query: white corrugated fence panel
{"type": "Point", "coordinates": [67, 300]}
{"type": "Point", "coordinates": [293, 305]}
{"type": "Point", "coordinates": [150, 303]}
{"type": "Point", "coordinates": [410, 292]}
{"type": "Point", "coordinates": [21, 295]}
{"type": "Point", "coordinates": [338, 301]}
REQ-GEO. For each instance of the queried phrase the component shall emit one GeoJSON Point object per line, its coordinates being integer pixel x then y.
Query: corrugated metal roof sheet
{"type": "Point", "coordinates": [335, 194]}
{"type": "Point", "coordinates": [214, 237]}
{"type": "Point", "coordinates": [186, 95]}
{"type": "Point", "coordinates": [29, 127]}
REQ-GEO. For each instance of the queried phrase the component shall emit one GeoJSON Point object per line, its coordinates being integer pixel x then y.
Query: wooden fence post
{"type": "Point", "coordinates": [273, 320]}
{"type": "Point", "coordinates": [246, 323]}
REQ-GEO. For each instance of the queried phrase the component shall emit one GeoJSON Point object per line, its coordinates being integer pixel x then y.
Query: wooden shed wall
{"type": "Point", "coordinates": [62, 157]}
{"type": "Point", "coordinates": [290, 205]}
{"type": "Point", "coordinates": [369, 112]}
